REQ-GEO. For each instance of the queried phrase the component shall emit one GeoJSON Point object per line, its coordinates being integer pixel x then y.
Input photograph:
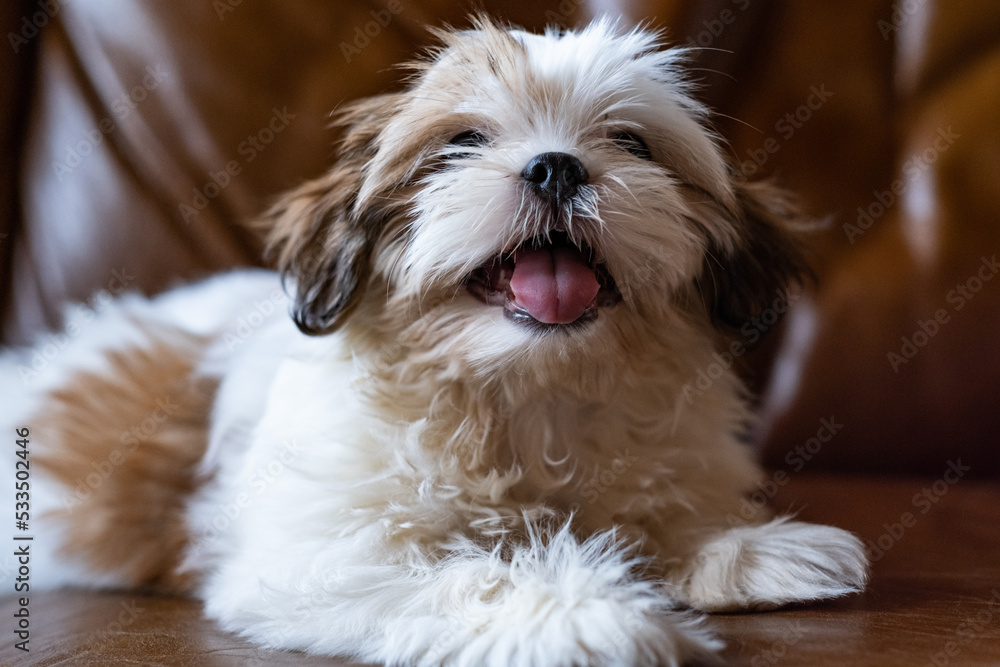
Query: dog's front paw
{"type": "Point", "coordinates": [539, 628]}
{"type": "Point", "coordinates": [777, 563]}
{"type": "Point", "coordinates": [559, 603]}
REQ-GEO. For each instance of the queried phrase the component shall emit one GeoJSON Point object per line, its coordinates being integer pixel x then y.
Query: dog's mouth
{"type": "Point", "coordinates": [547, 281]}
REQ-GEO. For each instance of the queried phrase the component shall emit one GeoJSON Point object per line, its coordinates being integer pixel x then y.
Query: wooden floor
{"type": "Point", "coordinates": [934, 599]}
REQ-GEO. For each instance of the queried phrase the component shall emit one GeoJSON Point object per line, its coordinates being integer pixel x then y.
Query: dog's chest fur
{"type": "Point", "coordinates": [405, 435]}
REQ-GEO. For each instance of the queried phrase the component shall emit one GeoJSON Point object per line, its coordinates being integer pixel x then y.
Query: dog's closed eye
{"type": "Point", "coordinates": [634, 144]}
{"type": "Point", "coordinates": [469, 138]}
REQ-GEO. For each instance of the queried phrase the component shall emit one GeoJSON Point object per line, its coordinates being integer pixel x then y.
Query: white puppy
{"type": "Point", "coordinates": [470, 444]}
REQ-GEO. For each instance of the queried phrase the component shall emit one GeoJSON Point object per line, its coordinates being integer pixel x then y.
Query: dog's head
{"type": "Point", "coordinates": [532, 195]}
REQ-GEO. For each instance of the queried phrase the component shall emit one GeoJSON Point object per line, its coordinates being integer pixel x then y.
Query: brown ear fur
{"type": "Point", "coordinates": [768, 257]}
{"type": "Point", "coordinates": [319, 236]}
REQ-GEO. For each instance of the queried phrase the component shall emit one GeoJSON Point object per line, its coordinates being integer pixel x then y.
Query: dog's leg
{"type": "Point", "coordinates": [773, 564]}
{"type": "Point", "coordinates": [550, 600]}
{"type": "Point", "coordinates": [709, 563]}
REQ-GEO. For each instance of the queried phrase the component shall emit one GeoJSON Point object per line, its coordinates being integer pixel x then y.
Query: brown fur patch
{"type": "Point", "coordinates": [126, 443]}
{"type": "Point", "coordinates": [769, 256]}
{"type": "Point", "coordinates": [318, 233]}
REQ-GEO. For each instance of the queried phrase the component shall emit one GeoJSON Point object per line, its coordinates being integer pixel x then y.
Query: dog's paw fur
{"type": "Point", "coordinates": [555, 601]}
{"type": "Point", "coordinates": [774, 564]}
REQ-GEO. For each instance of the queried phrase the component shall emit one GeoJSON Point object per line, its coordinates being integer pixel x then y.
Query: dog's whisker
{"type": "Point", "coordinates": [741, 122]}
{"type": "Point", "coordinates": [713, 71]}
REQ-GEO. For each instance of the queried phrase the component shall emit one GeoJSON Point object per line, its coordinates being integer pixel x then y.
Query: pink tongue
{"type": "Point", "coordinates": [555, 285]}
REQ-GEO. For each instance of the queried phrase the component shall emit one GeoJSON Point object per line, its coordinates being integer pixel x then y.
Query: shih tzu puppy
{"type": "Point", "coordinates": [470, 444]}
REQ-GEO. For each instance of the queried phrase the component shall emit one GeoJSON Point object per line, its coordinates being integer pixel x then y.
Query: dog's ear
{"type": "Point", "coordinates": [320, 237]}
{"type": "Point", "coordinates": [767, 257]}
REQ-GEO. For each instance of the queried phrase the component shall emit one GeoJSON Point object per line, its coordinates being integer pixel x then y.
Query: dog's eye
{"type": "Point", "coordinates": [469, 138]}
{"type": "Point", "coordinates": [634, 144]}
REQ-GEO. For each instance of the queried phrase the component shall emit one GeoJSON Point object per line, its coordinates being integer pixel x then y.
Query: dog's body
{"type": "Point", "coordinates": [475, 447]}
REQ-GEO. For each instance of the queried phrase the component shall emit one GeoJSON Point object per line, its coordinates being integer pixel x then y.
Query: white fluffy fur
{"type": "Point", "coordinates": [435, 484]}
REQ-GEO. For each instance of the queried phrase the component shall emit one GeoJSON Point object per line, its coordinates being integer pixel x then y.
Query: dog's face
{"type": "Point", "coordinates": [532, 197]}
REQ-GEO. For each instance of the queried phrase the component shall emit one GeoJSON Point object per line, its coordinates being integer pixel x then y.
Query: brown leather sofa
{"type": "Point", "coordinates": [138, 136]}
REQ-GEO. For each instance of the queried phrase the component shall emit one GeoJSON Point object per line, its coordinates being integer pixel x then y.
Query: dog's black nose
{"type": "Point", "coordinates": [557, 175]}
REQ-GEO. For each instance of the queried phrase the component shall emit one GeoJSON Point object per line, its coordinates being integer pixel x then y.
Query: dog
{"type": "Point", "coordinates": [470, 443]}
